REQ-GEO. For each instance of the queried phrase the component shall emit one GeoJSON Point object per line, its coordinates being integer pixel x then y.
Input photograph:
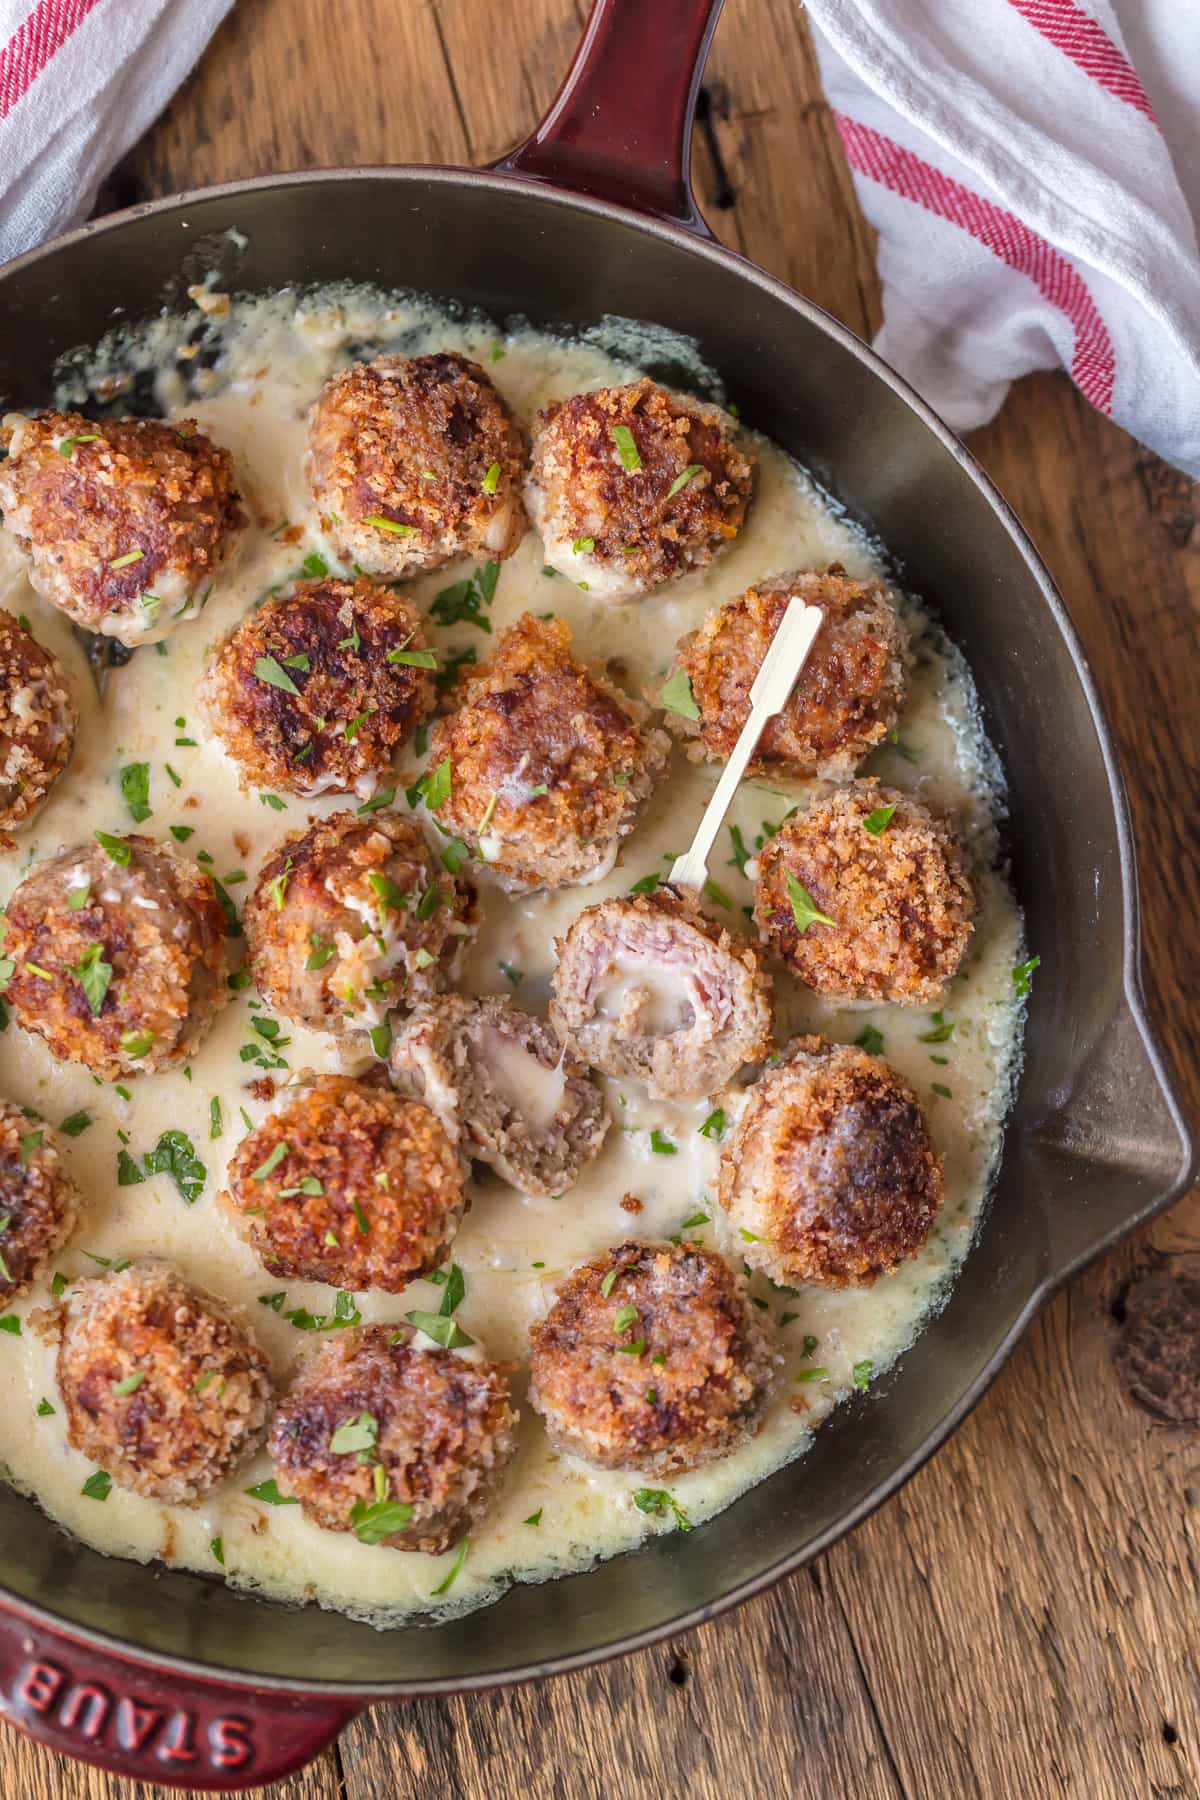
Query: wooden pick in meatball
{"type": "Point", "coordinates": [162, 1383]}
{"type": "Point", "coordinates": [38, 717]}
{"type": "Point", "coordinates": [846, 700]}
{"type": "Point", "coordinates": [413, 460]}
{"type": "Point", "coordinates": [868, 895]}
{"type": "Point", "coordinates": [125, 521]}
{"type": "Point", "coordinates": [405, 1447]}
{"type": "Point", "coordinates": [316, 690]}
{"type": "Point", "coordinates": [356, 917]}
{"type": "Point", "coordinates": [39, 1202]}
{"type": "Point", "coordinates": [548, 762]}
{"type": "Point", "coordinates": [632, 486]}
{"type": "Point", "coordinates": [118, 954]}
{"type": "Point", "coordinates": [651, 1359]}
{"type": "Point", "coordinates": [830, 1175]}
{"type": "Point", "coordinates": [350, 1184]}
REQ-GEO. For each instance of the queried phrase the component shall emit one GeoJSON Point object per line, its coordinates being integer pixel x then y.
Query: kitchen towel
{"type": "Point", "coordinates": [1032, 168]}
{"type": "Point", "coordinates": [80, 81]}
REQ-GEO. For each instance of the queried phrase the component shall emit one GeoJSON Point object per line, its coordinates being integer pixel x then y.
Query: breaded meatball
{"type": "Point", "coordinates": [118, 955]}
{"type": "Point", "coordinates": [413, 460]}
{"type": "Point", "coordinates": [503, 1085]}
{"type": "Point", "coordinates": [316, 690]}
{"type": "Point", "coordinates": [350, 1184]}
{"type": "Point", "coordinates": [439, 1430]}
{"type": "Point", "coordinates": [38, 717]}
{"type": "Point", "coordinates": [163, 1384]}
{"type": "Point", "coordinates": [649, 989]}
{"type": "Point", "coordinates": [900, 897]}
{"type": "Point", "coordinates": [550, 763]}
{"type": "Point", "coordinates": [125, 521]}
{"type": "Point", "coordinates": [632, 486]}
{"type": "Point", "coordinates": [39, 1202]}
{"type": "Point", "coordinates": [846, 700]}
{"type": "Point", "coordinates": [830, 1175]}
{"type": "Point", "coordinates": [355, 917]}
{"type": "Point", "coordinates": [651, 1359]}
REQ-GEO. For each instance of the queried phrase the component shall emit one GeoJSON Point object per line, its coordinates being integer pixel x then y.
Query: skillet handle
{"type": "Point", "coordinates": [620, 126]}
{"type": "Point", "coordinates": [149, 1723]}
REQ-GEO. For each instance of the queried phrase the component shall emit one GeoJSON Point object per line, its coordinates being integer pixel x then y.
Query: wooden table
{"type": "Point", "coordinates": [1021, 1621]}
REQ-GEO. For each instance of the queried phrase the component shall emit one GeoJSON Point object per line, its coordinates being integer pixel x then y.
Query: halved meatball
{"type": "Point", "coordinates": [503, 1085]}
{"type": "Point", "coordinates": [125, 521]}
{"type": "Point", "coordinates": [830, 1174]}
{"type": "Point", "coordinates": [651, 1359]}
{"type": "Point", "coordinates": [355, 917]}
{"type": "Point", "coordinates": [162, 1383]}
{"type": "Point", "coordinates": [316, 690]}
{"type": "Point", "coordinates": [347, 1183]}
{"type": "Point", "coordinates": [39, 1202]}
{"type": "Point", "coordinates": [893, 886]}
{"type": "Point", "coordinates": [650, 989]}
{"type": "Point", "coordinates": [550, 763]}
{"type": "Point", "coordinates": [632, 486]}
{"type": "Point", "coordinates": [427, 1437]}
{"type": "Point", "coordinates": [413, 460]}
{"type": "Point", "coordinates": [118, 955]}
{"type": "Point", "coordinates": [846, 700]}
{"type": "Point", "coordinates": [38, 717]}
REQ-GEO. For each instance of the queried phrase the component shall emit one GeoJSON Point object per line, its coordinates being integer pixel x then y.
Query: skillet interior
{"type": "Point", "coordinates": [1091, 1144]}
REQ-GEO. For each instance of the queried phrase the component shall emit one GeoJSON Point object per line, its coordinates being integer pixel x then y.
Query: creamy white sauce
{"type": "Point", "coordinates": [514, 1249]}
{"type": "Point", "coordinates": [645, 999]}
{"type": "Point", "coordinates": [521, 1079]}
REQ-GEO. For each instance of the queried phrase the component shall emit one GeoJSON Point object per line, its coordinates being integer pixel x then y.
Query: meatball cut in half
{"type": "Point", "coordinates": [355, 917]}
{"type": "Point", "coordinates": [38, 717]}
{"type": "Point", "coordinates": [846, 700]}
{"type": "Point", "coordinates": [549, 762]}
{"type": "Point", "coordinates": [118, 955]}
{"type": "Point", "coordinates": [867, 895]}
{"type": "Point", "coordinates": [39, 1202]}
{"type": "Point", "coordinates": [439, 1430]}
{"type": "Point", "coordinates": [348, 1183]}
{"type": "Point", "coordinates": [316, 690]}
{"type": "Point", "coordinates": [503, 1085]}
{"type": "Point", "coordinates": [830, 1175]}
{"type": "Point", "coordinates": [125, 521]}
{"type": "Point", "coordinates": [413, 460]}
{"type": "Point", "coordinates": [162, 1383]}
{"type": "Point", "coordinates": [651, 1359]}
{"type": "Point", "coordinates": [649, 989]}
{"type": "Point", "coordinates": [631, 486]}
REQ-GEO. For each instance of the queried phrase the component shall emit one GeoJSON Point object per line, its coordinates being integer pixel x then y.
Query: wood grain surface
{"type": "Point", "coordinates": [1021, 1621]}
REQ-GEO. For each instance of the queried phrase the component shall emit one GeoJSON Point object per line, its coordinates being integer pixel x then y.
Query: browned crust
{"type": "Point", "coordinates": [38, 720]}
{"type": "Point", "coordinates": [381, 1161]}
{"type": "Point", "coordinates": [39, 1202]}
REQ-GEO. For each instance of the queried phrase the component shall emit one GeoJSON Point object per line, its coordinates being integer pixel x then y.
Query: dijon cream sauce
{"type": "Point", "coordinates": [514, 1249]}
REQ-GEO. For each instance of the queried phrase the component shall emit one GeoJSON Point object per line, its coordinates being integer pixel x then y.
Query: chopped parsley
{"type": "Point", "coordinates": [128, 1172]}
{"type": "Point", "coordinates": [272, 671]}
{"type": "Point", "coordinates": [268, 1492]}
{"type": "Point", "coordinates": [75, 1124]}
{"type": "Point", "coordinates": [181, 833]}
{"type": "Point", "coordinates": [535, 1518]}
{"type": "Point", "coordinates": [78, 897]}
{"type": "Point", "coordinates": [444, 1331]}
{"type": "Point", "coordinates": [657, 1501]}
{"type": "Point", "coordinates": [377, 802]}
{"type": "Point", "coordinates": [355, 1434]}
{"type": "Point", "coordinates": [714, 1126]}
{"type": "Point", "coordinates": [860, 1374]}
{"type": "Point", "coordinates": [93, 975]}
{"type": "Point", "coordinates": [1022, 977]}
{"type": "Point", "coordinates": [314, 567]}
{"type": "Point", "coordinates": [435, 788]}
{"type": "Point", "coordinates": [412, 659]}
{"type": "Point", "coordinates": [942, 1030]}
{"type": "Point", "coordinates": [677, 695]}
{"type": "Point", "coordinates": [374, 1520]}
{"type": "Point", "coordinates": [381, 1039]}
{"type": "Point", "coordinates": [135, 790]}
{"type": "Point", "coordinates": [137, 1044]}
{"type": "Point", "coordinates": [272, 1162]}
{"type": "Point", "coordinates": [491, 480]}
{"type": "Point", "coordinates": [741, 856]}
{"type": "Point", "coordinates": [682, 479]}
{"type": "Point", "coordinates": [661, 1145]}
{"type": "Point", "coordinates": [130, 1385]}
{"type": "Point", "coordinates": [175, 1155]}
{"type": "Point", "coordinates": [320, 954]}
{"type": "Point", "coordinates": [98, 1485]}
{"type": "Point", "coordinates": [878, 821]}
{"type": "Point", "coordinates": [870, 1040]}
{"type": "Point", "coordinates": [804, 909]}
{"type": "Point", "coordinates": [464, 601]}
{"type": "Point", "coordinates": [392, 525]}
{"type": "Point", "coordinates": [515, 976]}
{"type": "Point", "coordinates": [44, 1409]}
{"type": "Point", "coordinates": [67, 444]}
{"type": "Point", "coordinates": [627, 450]}
{"type": "Point", "coordinates": [117, 848]}
{"type": "Point", "coordinates": [646, 885]}
{"type": "Point", "coordinates": [583, 546]}
{"type": "Point", "coordinates": [814, 1374]}
{"type": "Point", "coordinates": [443, 1587]}
{"type": "Point", "coordinates": [216, 1128]}
{"type": "Point", "coordinates": [123, 562]}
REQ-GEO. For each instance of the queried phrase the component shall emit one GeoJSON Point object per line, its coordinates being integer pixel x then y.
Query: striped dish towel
{"type": "Point", "coordinates": [1032, 168]}
{"type": "Point", "coordinates": [80, 81]}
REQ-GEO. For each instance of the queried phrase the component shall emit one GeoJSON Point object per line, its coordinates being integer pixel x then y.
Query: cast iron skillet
{"type": "Point", "coordinates": [171, 1676]}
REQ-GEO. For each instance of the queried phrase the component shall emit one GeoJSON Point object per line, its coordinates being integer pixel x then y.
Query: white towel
{"type": "Point", "coordinates": [80, 81]}
{"type": "Point", "coordinates": [1032, 168]}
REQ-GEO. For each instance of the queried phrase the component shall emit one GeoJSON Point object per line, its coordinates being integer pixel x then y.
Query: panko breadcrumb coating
{"type": "Point", "coordinates": [163, 1385]}
{"type": "Point", "coordinates": [632, 486]}
{"type": "Point", "coordinates": [118, 956]}
{"type": "Point", "coordinates": [413, 460]}
{"type": "Point", "coordinates": [901, 897]}
{"type": "Point", "coordinates": [550, 763]}
{"type": "Point", "coordinates": [38, 719]}
{"type": "Point", "coordinates": [649, 988]}
{"type": "Point", "coordinates": [846, 700]}
{"type": "Point", "coordinates": [316, 690]}
{"type": "Point", "coordinates": [830, 1175]}
{"type": "Point", "coordinates": [440, 1430]}
{"type": "Point", "coordinates": [651, 1359]}
{"type": "Point", "coordinates": [39, 1201]}
{"type": "Point", "coordinates": [348, 1183]}
{"type": "Point", "coordinates": [125, 521]}
{"type": "Point", "coordinates": [353, 918]}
